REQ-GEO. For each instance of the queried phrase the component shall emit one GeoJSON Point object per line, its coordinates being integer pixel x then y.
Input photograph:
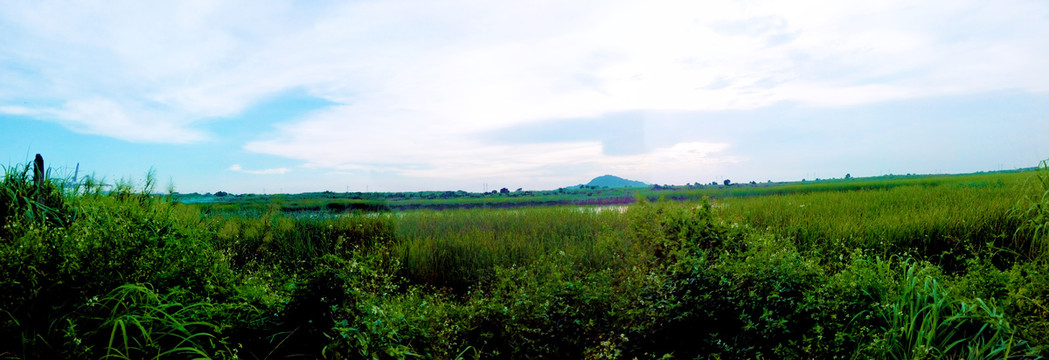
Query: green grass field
{"type": "Point", "coordinates": [917, 267]}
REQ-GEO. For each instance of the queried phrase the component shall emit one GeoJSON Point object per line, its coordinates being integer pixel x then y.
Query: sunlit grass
{"type": "Point", "coordinates": [461, 247]}
{"type": "Point", "coordinates": [923, 218]}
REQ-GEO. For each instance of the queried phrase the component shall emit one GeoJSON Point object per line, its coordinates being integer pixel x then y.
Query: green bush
{"type": "Point", "coordinates": [48, 271]}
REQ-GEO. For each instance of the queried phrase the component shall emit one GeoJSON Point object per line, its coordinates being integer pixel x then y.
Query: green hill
{"type": "Point", "coordinates": [614, 182]}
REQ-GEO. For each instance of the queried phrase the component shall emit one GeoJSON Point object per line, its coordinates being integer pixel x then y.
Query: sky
{"type": "Point", "coordinates": [291, 96]}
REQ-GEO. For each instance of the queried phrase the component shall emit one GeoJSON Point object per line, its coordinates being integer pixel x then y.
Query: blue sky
{"type": "Point", "coordinates": [251, 97]}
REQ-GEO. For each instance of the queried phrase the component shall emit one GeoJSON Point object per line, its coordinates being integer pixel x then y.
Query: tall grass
{"type": "Point", "coordinates": [928, 220]}
{"type": "Point", "coordinates": [925, 320]}
{"type": "Point", "coordinates": [34, 202]}
{"type": "Point", "coordinates": [1033, 209]}
{"type": "Point", "coordinates": [275, 237]}
{"type": "Point", "coordinates": [458, 248]}
{"type": "Point", "coordinates": [139, 323]}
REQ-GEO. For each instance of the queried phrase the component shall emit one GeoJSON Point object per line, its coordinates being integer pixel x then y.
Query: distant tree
{"type": "Point", "coordinates": [221, 193]}
{"type": "Point", "coordinates": [504, 191]}
{"type": "Point", "coordinates": [519, 189]}
{"type": "Point", "coordinates": [752, 182]}
{"type": "Point", "coordinates": [728, 182]}
{"type": "Point", "coordinates": [848, 176]}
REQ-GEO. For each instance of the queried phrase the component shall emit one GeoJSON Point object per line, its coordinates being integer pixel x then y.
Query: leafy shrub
{"type": "Point", "coordinates": [554, 309]}
{"type": "Point", "coordinates": [47, 271]}
{"type": "Point", "coordinates": [413, 323]}
{"type": "Point", "coordinates": [1023, 296]}
{"type": "Point", "coordinates": [745, 304]}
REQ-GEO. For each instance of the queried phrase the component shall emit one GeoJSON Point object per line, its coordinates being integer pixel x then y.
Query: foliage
{"type": "Point", "coordinates": [459, 248]}
{"type": "Point", "coordinates": [908, 267]}
{"type": "Point", "coordinates": [923, 320]}
{"type": "Point", "coordinates": [931, 221]}
{"type": "Point", "coordinates": [24, 202]}
{"type": "Point", "coordinates": [1033, 210]}
{"type": "Point", "coordinates": [138, 323]}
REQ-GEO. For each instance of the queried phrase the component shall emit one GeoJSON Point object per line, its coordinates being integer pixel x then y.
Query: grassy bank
{"type": "Point", "coordinates": [914, 268]}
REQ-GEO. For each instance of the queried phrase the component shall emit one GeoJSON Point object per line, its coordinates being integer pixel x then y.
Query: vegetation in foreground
{"type": "Point", "coordinates": [940, 267]}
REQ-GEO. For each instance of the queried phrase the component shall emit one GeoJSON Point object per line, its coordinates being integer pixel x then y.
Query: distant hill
{"type": "Point", "coordinates": [611, 181]}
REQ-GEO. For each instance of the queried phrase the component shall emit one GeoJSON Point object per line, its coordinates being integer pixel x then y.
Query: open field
{"type": "Point", "coordinates": [894, 267]}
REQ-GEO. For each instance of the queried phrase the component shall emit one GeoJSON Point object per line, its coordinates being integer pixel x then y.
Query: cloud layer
{"type": "Point", "coordinates": [417, 85]}
{"type": "Point", "coordinates": [238, 168]}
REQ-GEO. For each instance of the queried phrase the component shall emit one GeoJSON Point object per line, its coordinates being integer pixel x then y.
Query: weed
{"type": "Point", "coordinates": [1033, 209]}
{"type": "Point", "coordinates": [139, 323]}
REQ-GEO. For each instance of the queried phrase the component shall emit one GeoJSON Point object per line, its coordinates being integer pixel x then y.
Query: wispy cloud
{"type": "Point", "coordinates": [238, 168]}
{"type": "Point", "coordinates": [17, 110]}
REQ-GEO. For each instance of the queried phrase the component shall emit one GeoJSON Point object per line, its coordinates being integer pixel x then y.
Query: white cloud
{"type": "Point", "coordinates": [123, 121]}
{"type": "Point", "coordinates": [421, 150]}
{"type": "Point", "coordinates": [238, 168]}
{"type": "Point", "coordinates": [18, 110]}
